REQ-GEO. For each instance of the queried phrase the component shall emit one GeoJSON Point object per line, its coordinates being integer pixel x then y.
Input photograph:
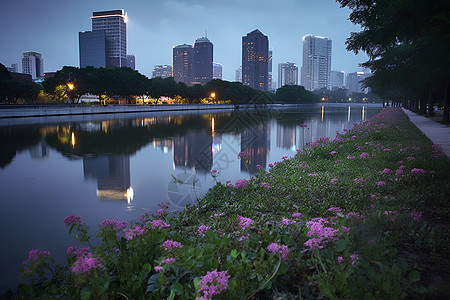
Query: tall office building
{"type": "Point", "coordinates": [33, 64]}
{"type": "Point", "coordinates": [287, 74]}
{"type": "Point", "coordinates": [337, 79]}
{"type": "Point", "coordinates": [316, 68]}
{"type": "Point", "coordinates": [131, 61]}
{"type": "Point", "coordinates": [217, 70]}
{"type": "Point", "coordinates": [202, 61]}
{"type": "Point", "coordinates": [238, 77]}
{"type": "Point", "coordinates": [182, 63]}
{"type": "Point", "coordinates": [114, 24]}
{"type": "Point", "coordinates": [13, 68]}
{"type": "Point", "coordinates": [353, 82]}
{"type": "Point", "coordinates": [255, 58]}
{"type": "Point", "coordinates": [270, 78]}
{"type": "Point", "coordinates": [92, 47]}
{"type": "Point", "coordinates": [163, 71]}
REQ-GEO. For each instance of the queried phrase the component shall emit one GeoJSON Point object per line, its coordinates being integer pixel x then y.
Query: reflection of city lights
{"type": "Point", "coordinates": [130, 194]}
{"type": "Point", "coordinates": [212, 126]}
{"type": "Point", "coordinates": [322, 112]}
{"type": "Point", "coordinates": [363, 114]}
{"type": "Point", "coordinates": [348, 114]}
{"type": "Point", "coordinates": [73, 140]}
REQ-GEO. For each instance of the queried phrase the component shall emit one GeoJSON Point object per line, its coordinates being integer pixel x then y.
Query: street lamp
{"type": "Point", "coordinates": [213, 95]}
{"type": "Point", "coordinates": [70, 86]}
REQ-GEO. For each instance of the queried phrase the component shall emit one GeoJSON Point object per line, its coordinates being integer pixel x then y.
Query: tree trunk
{"type": "Point", "coordinates": [422, 106]}
{"type": "Point", "coordinates": [445, 118]}
{"type": "Point", "coordinates": [430, 110]}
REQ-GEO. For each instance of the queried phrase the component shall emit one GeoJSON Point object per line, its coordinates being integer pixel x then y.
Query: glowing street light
{"type": "Point", "coordinates": [70, 86]}
{"type": "Point", "coordinates": [213, 95]}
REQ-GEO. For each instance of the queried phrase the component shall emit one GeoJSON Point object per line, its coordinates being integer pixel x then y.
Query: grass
{"type": "Point", "coordinates": [362, 216]}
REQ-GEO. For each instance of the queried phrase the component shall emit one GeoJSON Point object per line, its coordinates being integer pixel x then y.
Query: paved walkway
{"type": "Point", "coordinates": [438, 133]}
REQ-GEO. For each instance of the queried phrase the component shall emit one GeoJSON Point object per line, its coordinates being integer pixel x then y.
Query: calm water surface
{"type": "Point", "coordinates": [120, 166]}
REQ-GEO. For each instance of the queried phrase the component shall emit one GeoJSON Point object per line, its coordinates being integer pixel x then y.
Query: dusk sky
{"type": "Point", "coordinates": [51, 27]}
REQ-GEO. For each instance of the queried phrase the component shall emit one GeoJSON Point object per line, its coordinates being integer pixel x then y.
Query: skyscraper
{"type": "Point", "coordinates": [337, 79]}
{"type": "Point", "coordinates": [202, 61]}
{"type": "Point", "coordinates": [353, 82]}
{"type": "Point", "coordinates": [287, 74]}
{"type": "Point", "coordinates": [131, 61]}
{"type": "Point", "coordinates": [238, 77]}
{"type": "Point", "coordinates": [113, 23]}
{"type": "Point", "coordinates": [270, 78]}
{"type": "Point", "coordinates": [182, 63]}
{"type": "Point", "coordinates": [92, 47]}
{"type": "Point", "coordinates": [316, 68]}
{"type": "Point", "coordinates": [163, 71]}
{"type": "Point", "coordinates": [33, 64]}
{"type": "Point", "coordinates": [255, 57]}
{"type": "Point", "coordinates": [217, 70]}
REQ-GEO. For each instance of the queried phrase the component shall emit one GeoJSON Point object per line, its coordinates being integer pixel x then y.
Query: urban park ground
{"type": "Point", "coordinates": [362, 216]}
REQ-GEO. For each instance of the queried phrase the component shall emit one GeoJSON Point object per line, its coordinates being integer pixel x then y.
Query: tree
{"type": "Point", "coordinates": [295, 94]}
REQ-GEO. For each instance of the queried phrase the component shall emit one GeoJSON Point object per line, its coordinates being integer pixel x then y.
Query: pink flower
{"type": "Point", "coordinates": [303, 125]}
{"type": "Point", "coordinates": [270, 165]}
{"type": "Point", "coordinates": [354, 258]}
{"type": "Point", "coordinates": [381, 183]}
{"type": "Point", "coordinates": [169, 245]}
{"type": "Point", "coordinates": [243, 155]}
{"type": "Point", "coordinates": [416, 216]}
{"type": "Point", "coordinates": [282, 249]}
{"type": "Point", "coordinates": [287, 221]}
{"type": "Point", "coordinates": [336, 209]}
{"type": "Point", "coordinates": [417, 171]}
{"type": "Point", "coordinates": [168, 260]}
{"type": "Point", "coordinates": [386, 171]}
{"type": "Point", "coordinates": [334, 181]}
{"type": "Point", "coordinates": [284, 157]}
{"type": "Point", "coordinates": [351, 157]}
{"type": "Point", "coordinates": [244, 223]}
{"type": "Point", "coordinates": [373, 196]}
{"type": "Point", "coordinates": [296, 215]}
{"type": "Point", "coordinates": [364, 155]}
{"type": "Point", "coordinates": [75, 251]}
{"type": "Point", "coordinates": [398, 172]}
{"type": "Point", "coordinates": [340, 259]}
{"type": "Point", "coordinates": [158, 268]}
{"type": "Point", "coordinates": [358, 180]}
{"type": "Point", "coordinates": [345, 229]}
{"type": "Point", "coordinates": [35, 257]}
{"type": "Point", "coordinates": [156, 224]}
{"type": "Point", "coordinates": [241, 183]}
{"type": "Point", "coordinates": [114, 225]}
{"type": "Point", "coordinates": [73, 220]}
{"type": "Point", "coordinates": [214, 173]}
{"type": "Point", "coordinates": [213, 283]}
{"type": "Point", "coordinates": [86, 263]}
{"type": "Point", "coordinates": [333, 152]}
{"type": "Point", "coordinates": [202, 229]}
{"type": "Point", "coordinates": [313, 175]}
{"type": "Point", "coordinates": [409, 158]}
{"type": "Point", "coordinates": [134, 232]}
{"type": "Point", "coordinates": [264, 185]}
{"type": "Point", "coordinates": [259, 167]}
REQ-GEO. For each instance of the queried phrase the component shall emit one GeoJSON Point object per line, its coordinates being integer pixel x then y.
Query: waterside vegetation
{"type": "Point", "coordinates": [362, 216]}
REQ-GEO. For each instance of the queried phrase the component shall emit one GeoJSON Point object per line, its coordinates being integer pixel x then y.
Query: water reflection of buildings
{"type": "Point", "coordinates": [38, 151]}
{"type": "Point", "coordinates": [255, 141]}
{"type": "Point", "coordinates": [193, 150]}
{"type": "Point", "coordinates": [112, 174]}
{"type": "Point", "coordinates": [286, 136]}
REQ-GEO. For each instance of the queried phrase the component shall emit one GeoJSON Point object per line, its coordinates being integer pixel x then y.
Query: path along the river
{"type": "Point", "coordinates": [438, 133]}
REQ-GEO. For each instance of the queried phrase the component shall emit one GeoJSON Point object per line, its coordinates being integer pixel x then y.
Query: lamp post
{"type": "Point", "coordinates": [213, 96]}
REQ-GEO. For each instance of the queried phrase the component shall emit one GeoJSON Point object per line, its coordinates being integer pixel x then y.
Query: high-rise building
{"type": "Point", "coordinates": [337, 79]}
{"type": "Point", "coordinates": [270, 78]}
{"type": "Point", "coordinates": [33, 64]}
{"type": "Point", "coordinates": [255, 58]}
{"type": "Point", "coordinates": [163, 71]}
{"type": "Point", "coordinates": [13, 68]}
{"type": "Point", "coordinates": [202, 61]}
{"type": "Point", "coordinates": [131, 61]}
{"type": "Point", "coordinates": [316, 68]}
{"type": "Point", "coordinates": [238, 77]}
{"type": "Point", "coordinates": [287, 74]}
{"type": "Point", "coordinates": [114, 24]}
{"type": "Point", "coordinates": [217, 70]}
{"type": "Point", "coordinates": [182, 63]}
{"type": "Point", "coordinates": [92, 47]}
{"type": "Point", "coordinates": [353, 82]}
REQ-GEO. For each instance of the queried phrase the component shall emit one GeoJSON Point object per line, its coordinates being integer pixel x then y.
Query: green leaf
{"type": "Point", "coordinates": [147, 267]}
{"type": "Point", "coordinates": [85, 294]}
{"type": "Point", "coordinates": [341, 245]}
{"type": "Point", "coordinates": [177, 288]}
{"type": "Point", "coordinates": [234, 254]}
{"type": "Point", "coordinates": [328, 290]}
{"type": "Point", "coordinates": [171, 296]}
{"type": "Point", "coordinates": [196, 282]}
{"type": "Point", "coordinates": [414, 276]}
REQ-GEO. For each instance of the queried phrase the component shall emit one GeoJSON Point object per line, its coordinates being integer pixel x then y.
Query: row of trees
{"type": "Point", "coordinates": [14, 90]}
{"type": "Point", "coordinates": [126, 83]}
{"type": "Point", "coordinates": [407, 42]}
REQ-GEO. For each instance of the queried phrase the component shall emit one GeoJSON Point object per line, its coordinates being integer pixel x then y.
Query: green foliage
{"type": "Point", "coordinates": [295, 94]}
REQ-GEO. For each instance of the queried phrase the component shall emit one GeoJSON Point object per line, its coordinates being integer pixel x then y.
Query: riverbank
{"type": "Point", "coordinates": [352, 217]}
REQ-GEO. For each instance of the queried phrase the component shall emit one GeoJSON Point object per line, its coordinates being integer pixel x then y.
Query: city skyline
{"type": "Point", "coordinates": [154, 28]}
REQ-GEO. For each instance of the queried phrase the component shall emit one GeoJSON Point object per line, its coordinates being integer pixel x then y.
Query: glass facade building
{"type": "Point", "coordinates": [255, 60]}
{"type": "Point", "coordinates": [93, 47]}
{"type": "Point", "coordinates": [316, 68]}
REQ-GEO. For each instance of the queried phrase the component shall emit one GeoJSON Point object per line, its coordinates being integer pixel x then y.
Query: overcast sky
{"type": "Point", "coordinates": [51, 27]}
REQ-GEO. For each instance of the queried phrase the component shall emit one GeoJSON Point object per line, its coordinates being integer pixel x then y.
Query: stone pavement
{"type": "Point", "coordinates": [438, 133]}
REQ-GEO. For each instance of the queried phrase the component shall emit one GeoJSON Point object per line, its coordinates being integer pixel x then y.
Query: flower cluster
{"type": "Point", "coordinates": [217, 215]}
{"type": "Point", "coordinates": [34, 258]}
{"type": "Point", "coordinates": [416, 216]}
{"type": "Point", "coordinates": [243, 155]}
{"type": "Point", "coordinates": [77, 252]}
{"type": "Point", "coordinates": [202, 229]}
{"type": "Point", "coordinates": [282, 249]}
{"type": "Point", "coordinates": [364, 155]}
{"type": "Point", "coordinates": [286, 221]}
{"type": "Point", "coordinates": [156, 224]}
{"type": "Point", "coordinates": [359, 180]}
{"type": "Point", "coordinates": [114, 225]}
{"type": "Point", "coordinates": [264, 185]}
{"type": "Point", "coordinates": [417, 171]}
{"type": "Point", "coordinates": [213, 283]}
{"type": "Point", "coordinates": [133, 232]}
{"type": "Point", "coordinates": [73, 220]}
{"type": "Point", "coordinates": [381, 183]}
{"type": "Point", "coordinates": [296, 215]}
{"type": "Point", "coordinates": [168, 260]}
{"type": "Point", "coordinates": [85, 264]}
{"type": "Point", "coordinates": [169, 245]}
{"type": "Point", "coordinates": [320, 234]}
{"type": "Point", "coordinates": [241, 183]}
{"type": "Point", "coordinates": [244, 223]}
